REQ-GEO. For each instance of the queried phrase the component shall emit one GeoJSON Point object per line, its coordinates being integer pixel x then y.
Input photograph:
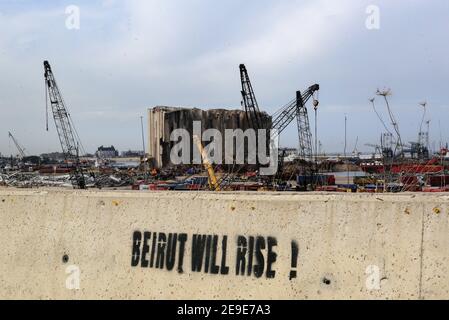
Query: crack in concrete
{"type": "Point", "coordinates": [421, 256]}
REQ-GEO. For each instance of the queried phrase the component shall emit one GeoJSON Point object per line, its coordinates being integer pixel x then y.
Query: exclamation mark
{"type": "Point", "coordinates": [294, 259]}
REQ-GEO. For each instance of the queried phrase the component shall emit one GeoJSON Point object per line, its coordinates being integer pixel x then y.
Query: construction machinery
{"type": "Point", "coordinates": [68, 137]}
{"type": "Point", "coordinates": [386, 142]}
{"type": "Point", "coordinates": [283, 117]}
{"type": "Point", "coordinates": [385, 149]}
{"type": "Point", "coordinates": [297, 109]}
{"type": "Point", "coordinates": [249, 101]}
{"type": "Point", "coordinates": [21, 150]}
{"type": "Point", "coordinates": [213, 181]}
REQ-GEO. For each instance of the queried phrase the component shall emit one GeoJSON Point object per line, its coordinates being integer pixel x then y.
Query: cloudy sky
{"type": "Point", "coordinates": [130, 55]}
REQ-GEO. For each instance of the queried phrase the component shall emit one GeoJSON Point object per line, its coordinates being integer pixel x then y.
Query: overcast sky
{"type": "Point", "coordinates": [131, 55]}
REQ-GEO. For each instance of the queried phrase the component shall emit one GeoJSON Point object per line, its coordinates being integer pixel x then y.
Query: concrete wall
{"type": "Point", "coordinates": [352, 246]}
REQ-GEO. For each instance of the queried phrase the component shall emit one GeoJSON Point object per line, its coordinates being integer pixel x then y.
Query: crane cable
{"type": "Point", "coordinates": [46, 104]}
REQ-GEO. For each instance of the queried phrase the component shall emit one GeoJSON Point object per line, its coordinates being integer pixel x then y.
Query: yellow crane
{"type": "Point", "coordinates": [213, 181]}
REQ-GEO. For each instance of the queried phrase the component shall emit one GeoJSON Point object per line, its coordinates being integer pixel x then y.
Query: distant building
{"type": "Point", "coordinates": [106, 152]}
{"type": "Point", "coordinates": [132, 154]}
{"type": "Point", "coordinates": [288, 151]}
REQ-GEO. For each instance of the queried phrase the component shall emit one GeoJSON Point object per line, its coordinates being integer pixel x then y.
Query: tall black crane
{"type": "Point", "coordinates": [249, 101]}
{"type": "Point", "coordinates": [297, 109]}
{"type": "Point", "coordinates": [67, 135]}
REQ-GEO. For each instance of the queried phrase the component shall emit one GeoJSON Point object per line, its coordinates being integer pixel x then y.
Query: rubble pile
{"type": "Point", "coordinates": [113, 181]}
{"type": "Point", "coordinates": [36, 180]}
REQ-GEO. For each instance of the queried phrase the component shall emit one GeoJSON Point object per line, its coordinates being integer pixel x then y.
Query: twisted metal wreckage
{"type": "Point", "coordinates": [34, 179]}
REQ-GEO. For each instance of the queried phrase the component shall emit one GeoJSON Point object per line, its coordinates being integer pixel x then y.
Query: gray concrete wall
{"type": "Point", "coordinates": [350, 246]}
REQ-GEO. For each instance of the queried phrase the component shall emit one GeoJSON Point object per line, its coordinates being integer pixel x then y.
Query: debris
{"type": "Point", "coordinates": [35, 180]}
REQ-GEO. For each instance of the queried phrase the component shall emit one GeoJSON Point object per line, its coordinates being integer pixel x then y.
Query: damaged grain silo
{"type": "Point", "coordinates": [162, 121]}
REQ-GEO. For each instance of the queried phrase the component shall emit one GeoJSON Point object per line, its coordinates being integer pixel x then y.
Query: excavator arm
{"type": "Point", "coordinates": [213, 181]}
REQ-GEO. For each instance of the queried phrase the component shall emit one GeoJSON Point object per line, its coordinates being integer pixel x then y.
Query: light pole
{"type": "Point", "coordinates": [143, 148]}
{"type": "Point", "coordinates": [346, 160]}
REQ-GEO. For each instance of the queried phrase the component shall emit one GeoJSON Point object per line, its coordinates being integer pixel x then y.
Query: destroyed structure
{"type": "Point", "coordinates": [163, 120]}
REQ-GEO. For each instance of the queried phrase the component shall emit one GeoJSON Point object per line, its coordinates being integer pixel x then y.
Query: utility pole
{"type": "Point", "coordinates": [346, 136]}
{"type": "Point", "coordinates": [422, 104]}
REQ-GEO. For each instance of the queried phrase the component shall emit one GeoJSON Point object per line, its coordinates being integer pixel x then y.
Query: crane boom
{"type": "Point", "coordinates": [64, 127]}
{"type": "Point", "coordinates": [19, 148]}
{"type": "Point", "coordinates": [249, 101]}
{"type": "Point", "coordinates": [297, 109]}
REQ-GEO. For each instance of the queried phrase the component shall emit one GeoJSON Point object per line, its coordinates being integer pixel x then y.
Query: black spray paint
{"type": "Point", "coordinates": [162, 251]}
{"type": "Point", "coordinates": [255, 256]}
{"type": "Point", "coordinates": [294, 264]}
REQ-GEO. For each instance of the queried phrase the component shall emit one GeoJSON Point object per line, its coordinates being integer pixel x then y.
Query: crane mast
{"type": "Point", "coordinates": [249, 101]}
{"type": "Point", "coordinates": [304, 133]}
{"type": "Point", "coordinates": [64, 127]}
{"type": "Point", "coordinates": [19, 148]}
{"type": "Point", "coordinates": [297, 109]}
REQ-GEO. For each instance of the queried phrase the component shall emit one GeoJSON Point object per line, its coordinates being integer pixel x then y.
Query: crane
{"type": "Point", "coordinates": [356, 152]}
{"type": "Point", "coordinates": [385, 148]}
{"type": "Point", "coordinates": [67, 134]}
{"type": "Point", "coordinates": [249, 101]}
{"type": "Point", "coordinates": [377, 148]}
{"type": "Point", "coordinates": [283, 117]}
{"type": "Point", "coordinates": [21, 150]}
{"type": "Point", "coordinates": [297, 109]}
